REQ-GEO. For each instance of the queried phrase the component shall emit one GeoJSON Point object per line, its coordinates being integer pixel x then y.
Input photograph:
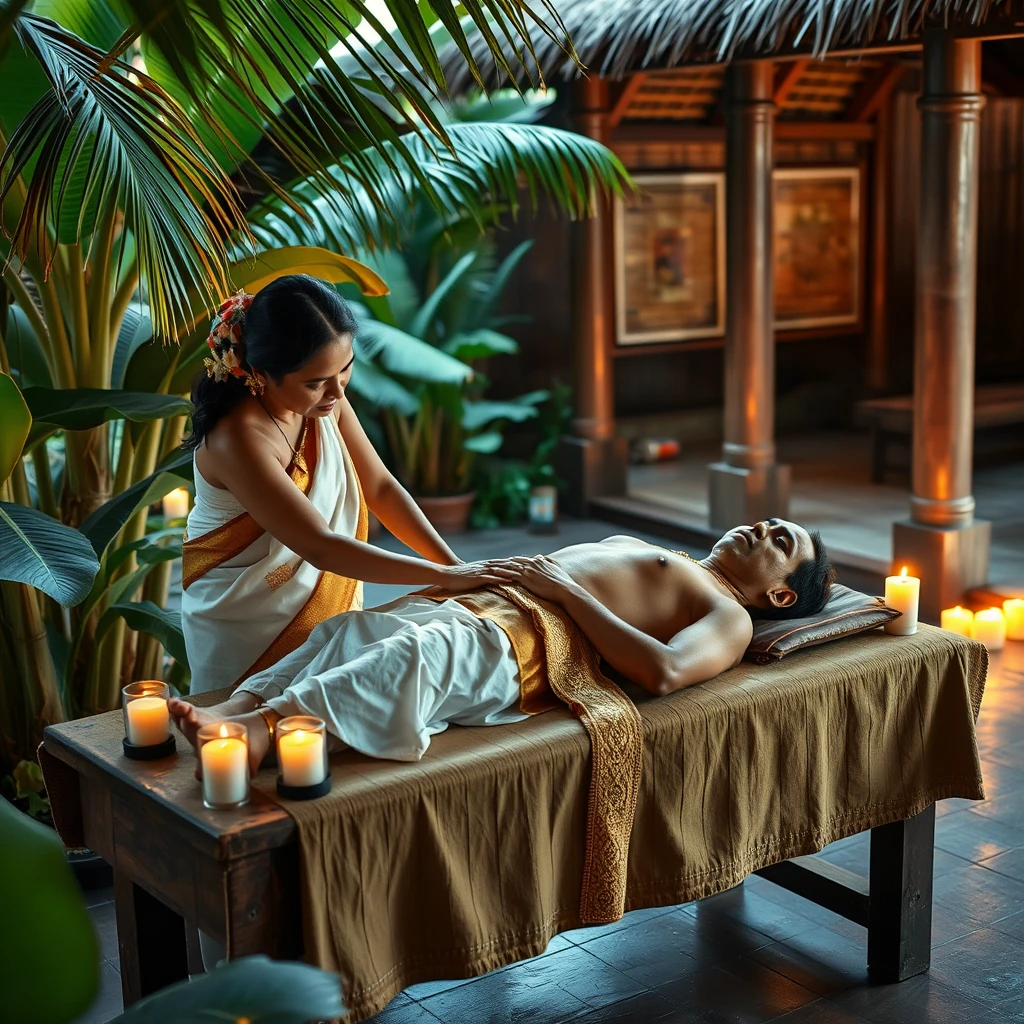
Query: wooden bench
{"type": "Point", "coordinates": [892, 419]}
{"type": "Point", "coordinates": [179, 866]}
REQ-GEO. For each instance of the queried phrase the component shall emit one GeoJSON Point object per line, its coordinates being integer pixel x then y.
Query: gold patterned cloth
{"type": "Point", "coordinates": [555, 657]}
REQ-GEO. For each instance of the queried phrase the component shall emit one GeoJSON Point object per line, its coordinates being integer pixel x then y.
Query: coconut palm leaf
{"type": "Point", "coordinates": [479, 178]}
{"type": "Point", "coordinates": [98, 137]}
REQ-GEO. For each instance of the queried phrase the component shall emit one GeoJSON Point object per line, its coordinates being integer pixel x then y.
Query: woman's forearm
{"type": "Point", "coordinates": [353, 558]}
{"type": "Point", "coordinates": [403, 518]}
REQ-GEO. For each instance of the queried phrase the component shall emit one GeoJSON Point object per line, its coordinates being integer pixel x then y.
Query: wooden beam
{"type": "Point", "coordinates": [787, 83]}
{"type": "Point", "coordinates": [841, 891]}
{"type": "Point", "coordinates": [672, 131]}
{"type": "Point", "coordinates": [874, 92]}
{"type": "Point", "coordinates": [623, 102]}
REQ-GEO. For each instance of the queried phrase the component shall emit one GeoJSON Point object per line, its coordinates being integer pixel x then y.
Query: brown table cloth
{"type": "Point", "coordinates": [472, 858]}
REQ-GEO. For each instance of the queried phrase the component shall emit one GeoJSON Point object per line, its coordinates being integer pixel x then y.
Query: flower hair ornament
{"type": "Point", "coordinates": [227, 350]}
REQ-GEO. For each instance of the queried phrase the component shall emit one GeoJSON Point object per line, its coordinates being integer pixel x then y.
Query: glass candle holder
{"type": "Point", "coordinates": [302, 757]}
{"type": "Point", "coordinates": [224, 752]}
{"type": "Point", "coordinates": [147, 723]}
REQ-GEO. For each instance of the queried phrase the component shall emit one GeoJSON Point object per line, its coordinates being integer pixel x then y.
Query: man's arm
{"type": "Point", "coordinates": [699, 652]}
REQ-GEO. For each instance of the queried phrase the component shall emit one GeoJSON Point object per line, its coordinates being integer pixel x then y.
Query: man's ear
{"type": "Point", "coordinates": [782, 597]}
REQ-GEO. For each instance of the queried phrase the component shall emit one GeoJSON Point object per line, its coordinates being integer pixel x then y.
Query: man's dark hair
{"type": "Point", "coordinates": [811, 581]}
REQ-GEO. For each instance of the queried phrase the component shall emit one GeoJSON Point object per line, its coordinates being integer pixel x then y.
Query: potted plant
{"type": "Point", "coordinates": [429, 336]}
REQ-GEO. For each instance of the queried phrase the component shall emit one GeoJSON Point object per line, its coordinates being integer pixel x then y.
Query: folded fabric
{"type": "Point", "coordinates": [846, 612]}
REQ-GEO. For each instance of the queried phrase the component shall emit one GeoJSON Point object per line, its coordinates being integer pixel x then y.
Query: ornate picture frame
{"type": "Point", "coordinates": [670, 259]}
{"type": "Point", "coordinates": [817, 247]}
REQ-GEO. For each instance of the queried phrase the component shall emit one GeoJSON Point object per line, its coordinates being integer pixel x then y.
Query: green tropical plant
{"type": "Point", "coordinates": [50, 960]}
{"type": "Point", "coordinates": [127, 131]}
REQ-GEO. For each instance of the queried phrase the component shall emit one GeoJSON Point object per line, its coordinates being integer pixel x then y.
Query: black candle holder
{"type": "Point", "coordinates": [151, 753]}
{"type": "Point", "coordinates": [303, 792]}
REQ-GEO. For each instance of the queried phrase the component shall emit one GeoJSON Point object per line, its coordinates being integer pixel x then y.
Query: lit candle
{"type": "Point", "coordinates": [1013, 612]}
{"type": "Point", "coordinates": [902, 594]}
{"type": "Point", "coordinates": [148, 721]}
{"type": "Point", "coordinates": [301, 756]}
{"type": "Point", "coordinates": [958, 620]}
{"type": "Point", "coordinates": [176, 504]}
{"type": "Point", "coordinates": [225, 769]}
{"type": "Point", "coordinates": [990, 628]}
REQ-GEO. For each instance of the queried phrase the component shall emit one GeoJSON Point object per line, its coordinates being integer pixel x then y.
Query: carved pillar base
{"type": "Point", "coordinates": [591, 468]}
{"type": "Point", "coordinates": [738, 496]}
{"type": "Point", "coordinates": [949, 561]}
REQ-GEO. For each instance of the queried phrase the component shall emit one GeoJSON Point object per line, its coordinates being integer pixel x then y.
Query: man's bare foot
{"type": "Point", "coordinates": [189, 719]}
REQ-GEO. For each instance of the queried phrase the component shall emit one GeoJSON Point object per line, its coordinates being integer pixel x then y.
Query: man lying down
{"type": "Point", "coordinates": [385, 680]}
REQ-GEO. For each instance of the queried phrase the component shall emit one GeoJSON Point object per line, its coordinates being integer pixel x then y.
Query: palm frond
{"type": "Point", "coordinates": [98, 136]}
{"type": "Point", "coordinates": [480, 178]}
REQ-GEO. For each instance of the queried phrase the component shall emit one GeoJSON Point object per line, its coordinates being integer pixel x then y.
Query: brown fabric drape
{"type": "Point", "coordinates": [473, 857]}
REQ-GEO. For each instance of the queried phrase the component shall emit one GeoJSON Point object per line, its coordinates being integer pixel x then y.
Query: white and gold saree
{"type": "Point", "coordinates": [247, 599]}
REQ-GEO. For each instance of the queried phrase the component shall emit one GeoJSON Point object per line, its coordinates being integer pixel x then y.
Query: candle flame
{"type": "Point", "coordinates": [903, 572]}
{"type": "Point", "coordinates": [300, 735]}
{"type": "Point", "coordinates": [958, 609]}
{"type": "Point", "coordinates": [224, 731]}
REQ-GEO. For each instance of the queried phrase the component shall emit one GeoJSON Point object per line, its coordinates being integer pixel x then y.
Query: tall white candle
{"type": "Point", "coordinates": [958, 620]}
{"type": "Point", "coordinates": [225, 770]}
{"type": "Point", "coordinates": [301, 756]}
{"type": "Point", "coordinates": [148, 721]}
{"type": "Point", "coordinates": [902, 593]}
{"type": "Point", "coordinates": [990, 628]}
{"type": "Point", "coordinates": [1013, 612]}
{"type": "Point", "coordinates": [176, 504]}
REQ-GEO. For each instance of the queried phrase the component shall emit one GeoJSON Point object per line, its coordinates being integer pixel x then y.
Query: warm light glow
{"type": "Point", "coordinates": [300, 735]}
{"type": "Point", "coordinates": [223, 730]}
{"type": "Point", "coordinates": [903, 573]}
{"type": "Point", "coordinates": [990, 628]}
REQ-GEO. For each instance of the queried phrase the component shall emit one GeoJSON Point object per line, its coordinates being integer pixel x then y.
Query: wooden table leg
{"type": "Point", "coordinates": [150, 940]}
{"type": "Point", "coordinates": [900, 901]}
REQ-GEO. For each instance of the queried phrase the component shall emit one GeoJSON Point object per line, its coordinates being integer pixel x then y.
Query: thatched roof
{"type": "Point", "coordinates": [615, 38]}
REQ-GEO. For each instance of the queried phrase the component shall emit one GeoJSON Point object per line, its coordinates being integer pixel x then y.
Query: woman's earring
{"type": "Point", "coordinates": [255, 384]}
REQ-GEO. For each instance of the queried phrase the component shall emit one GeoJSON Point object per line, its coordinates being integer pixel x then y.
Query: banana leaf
{"type": "Point", "coordinates": [15, 425]}
{"type": "Point", "coordinates": [84, 408]}
{"type": "Point", "coordinates": [37, 550]}
{"type": "Point", "coordinates": [24, 352]}
{"type": "Point", "coordinates": [146, 617]}
{"type": "Point", "coordinates": [105, 523]}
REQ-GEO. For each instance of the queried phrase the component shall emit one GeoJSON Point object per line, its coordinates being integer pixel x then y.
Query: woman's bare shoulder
{"type": "Point", "coordinates": [238, 438]}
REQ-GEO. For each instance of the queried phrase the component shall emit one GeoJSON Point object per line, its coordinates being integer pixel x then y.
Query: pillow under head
{"type": "Point", "coordinates": [846, 612]}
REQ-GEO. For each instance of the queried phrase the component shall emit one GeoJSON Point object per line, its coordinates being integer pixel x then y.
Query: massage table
{"type": "Point", "coordinates": [472, 858]}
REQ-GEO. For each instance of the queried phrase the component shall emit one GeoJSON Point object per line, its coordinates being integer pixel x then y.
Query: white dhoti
{"type": "Point", "coordinates": [384, 681]}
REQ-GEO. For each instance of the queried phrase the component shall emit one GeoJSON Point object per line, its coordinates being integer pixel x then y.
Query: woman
{"type": "Point", "coordinates": [284, 476]}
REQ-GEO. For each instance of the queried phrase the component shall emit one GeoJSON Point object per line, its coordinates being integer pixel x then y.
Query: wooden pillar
{"type": "Point", "coordinates": [943, 542]}
{"type": "Point", "coordinates": [593, 460]}
{"type": "Point", "coordinates": [878, 337]}
{"type": "Point", "coordinates": [748, 485]}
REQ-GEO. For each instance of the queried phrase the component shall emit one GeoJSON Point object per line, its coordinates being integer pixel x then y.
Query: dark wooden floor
{"type": "Point", "coordinates": [757, 953]}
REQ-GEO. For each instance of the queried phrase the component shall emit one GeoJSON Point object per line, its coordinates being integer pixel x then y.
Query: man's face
{"type": "Point", "coordinates": [762, 556]}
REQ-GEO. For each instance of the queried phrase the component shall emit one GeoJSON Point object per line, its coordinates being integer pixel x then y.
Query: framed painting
{"type": "Point", "coordinates": [817, 247]}
{"type": "Point", "coordinates": [670, 259]}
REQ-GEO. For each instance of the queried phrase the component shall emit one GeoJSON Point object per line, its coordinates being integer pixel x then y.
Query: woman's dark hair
{"type": "Point", "coordinates": [289, 321]}
{"type": "Point", "coordinates": [811, 581]}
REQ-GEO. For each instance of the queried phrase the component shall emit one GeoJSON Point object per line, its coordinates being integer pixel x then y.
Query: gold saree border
{"type": "Point", "coordinates": [205, 553]}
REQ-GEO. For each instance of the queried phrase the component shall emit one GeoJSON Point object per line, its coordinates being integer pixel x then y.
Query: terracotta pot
{"type": "Point", "coordinates": [449, 514]}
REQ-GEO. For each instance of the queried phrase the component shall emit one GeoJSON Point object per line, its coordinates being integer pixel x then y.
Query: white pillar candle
{"type": "Point", "coordinates": [225, 770]}
{"type": "Point", "coordinates": [301, 756]}
{"type": "Point", "coordinates": [902, 594]}
{"type": "Point", "coordinates": [148, 721]}
{"type": "Point", "coordinates": [958, 620]}
{"type": "Point", "coordinates": [990, 628]}
{"type": "Point", "coordinates": [176, 504]}
{"type": "Point", "coordinates": [1013, 612]}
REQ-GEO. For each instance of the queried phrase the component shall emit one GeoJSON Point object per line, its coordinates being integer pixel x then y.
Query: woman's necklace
{"type": "Point", "coordinates": [718, 576]}
{"type": "Point", "coordinates": [297, 457]}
